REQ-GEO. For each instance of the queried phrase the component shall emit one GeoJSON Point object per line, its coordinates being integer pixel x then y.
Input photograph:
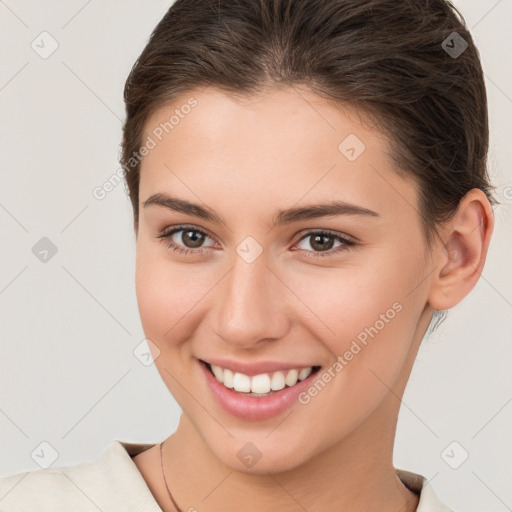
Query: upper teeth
{"type": "Point", "coordinates": [262, 383]}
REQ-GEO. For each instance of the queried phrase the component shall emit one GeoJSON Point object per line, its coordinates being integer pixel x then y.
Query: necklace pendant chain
{"type": "Point", "coordinates": [165, 479]}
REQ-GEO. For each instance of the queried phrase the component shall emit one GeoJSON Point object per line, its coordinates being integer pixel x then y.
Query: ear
{"type": "Point", "coordinates": [461, 255]}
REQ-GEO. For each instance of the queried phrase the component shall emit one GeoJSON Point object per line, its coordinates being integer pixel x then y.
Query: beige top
{"type": "Point", "coordinates": [113, 483]}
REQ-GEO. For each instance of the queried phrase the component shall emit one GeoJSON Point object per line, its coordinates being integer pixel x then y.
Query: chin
{"type": "Point", "coordinates": [259, 454]}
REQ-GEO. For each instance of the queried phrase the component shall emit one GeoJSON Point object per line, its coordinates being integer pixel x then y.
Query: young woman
{"type": "Point", "coordinates": [309, 188]}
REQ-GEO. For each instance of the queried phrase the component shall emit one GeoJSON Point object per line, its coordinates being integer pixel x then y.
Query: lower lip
{"type": "Point", "coordinates": [254, 408]}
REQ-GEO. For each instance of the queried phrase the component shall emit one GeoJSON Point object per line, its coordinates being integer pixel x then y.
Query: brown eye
{"type": "Point", "coordinates": [192, 238]}
{"type": "Point", "coordinates": [185, 239]}
{"type": "Point", "coordinates": [323, 243]}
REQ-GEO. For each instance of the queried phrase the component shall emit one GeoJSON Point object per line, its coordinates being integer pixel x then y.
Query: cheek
{"type": "Point", "coordinates": [368, 325]}
{"type": "Point", "coordinates": [365, 312]}
{"type": "Point", "coordinates": [168, 297]}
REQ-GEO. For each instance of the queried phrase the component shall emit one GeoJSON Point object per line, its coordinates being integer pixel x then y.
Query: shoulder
{"type": "Point", "coordinates": [112, 480]}
{"type": "Point", "coordinates": [50, 489]}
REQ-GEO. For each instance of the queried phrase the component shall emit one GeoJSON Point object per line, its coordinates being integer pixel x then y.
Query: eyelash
{"type": "Point", "coordinates": [165, 238]}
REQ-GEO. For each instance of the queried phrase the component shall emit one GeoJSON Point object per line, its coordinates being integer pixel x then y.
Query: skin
{"type": "Point", "coordinates": [245, 158]}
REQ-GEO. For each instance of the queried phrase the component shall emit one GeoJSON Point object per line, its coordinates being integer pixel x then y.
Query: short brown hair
{"type": "Point", "coordinates": [383, 57]}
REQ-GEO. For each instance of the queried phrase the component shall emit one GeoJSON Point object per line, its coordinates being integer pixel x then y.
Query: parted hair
{"type": "Point", "coordinates": [386, 58]}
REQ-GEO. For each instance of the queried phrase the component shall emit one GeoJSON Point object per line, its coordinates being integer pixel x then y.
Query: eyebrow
{"type": "Point", "coordinates": [287, 216]}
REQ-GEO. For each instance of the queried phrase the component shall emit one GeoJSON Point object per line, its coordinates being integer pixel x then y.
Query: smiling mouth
{"type": "Point", "coordinates": [263, 384]}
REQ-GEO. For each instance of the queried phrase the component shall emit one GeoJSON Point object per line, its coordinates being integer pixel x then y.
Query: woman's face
{"type": "Point", "coordinates": [254, 286]}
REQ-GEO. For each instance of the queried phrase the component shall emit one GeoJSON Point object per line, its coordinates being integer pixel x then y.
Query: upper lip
{"type": "Point", "coordinates": [255, 368]}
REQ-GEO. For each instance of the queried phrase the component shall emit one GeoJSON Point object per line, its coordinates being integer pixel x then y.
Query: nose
{"type": "Point", "coordinates": [252, 307]}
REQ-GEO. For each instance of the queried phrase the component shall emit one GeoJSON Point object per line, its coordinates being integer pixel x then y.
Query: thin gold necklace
{"type": "Point", "coordinates": [165, 480]}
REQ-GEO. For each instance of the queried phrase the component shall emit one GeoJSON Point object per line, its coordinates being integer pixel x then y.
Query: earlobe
{"type": "Point", "coordinates": [461, 257]}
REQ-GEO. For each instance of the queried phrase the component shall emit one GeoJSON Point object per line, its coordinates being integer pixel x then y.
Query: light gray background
{"type": "Point", "coordinates": [68, 374]}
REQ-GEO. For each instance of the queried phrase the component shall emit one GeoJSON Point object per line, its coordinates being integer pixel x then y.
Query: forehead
{"type": "Point", "coordinates": [292, 114]}
{"type": "Point", "coordinates": [281, 146]}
